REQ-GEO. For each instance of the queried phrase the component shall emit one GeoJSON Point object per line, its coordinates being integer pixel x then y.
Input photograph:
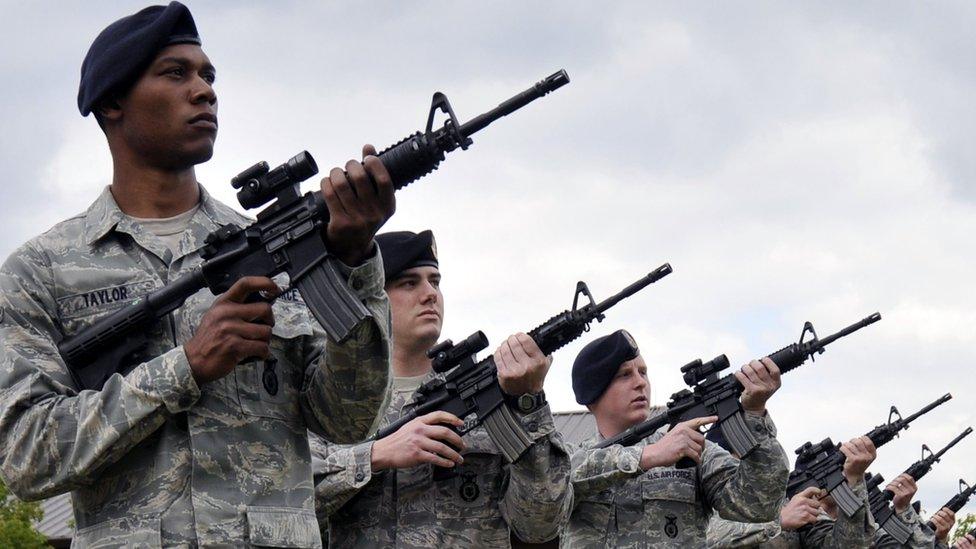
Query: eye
{"type": "Point", "coordinates": [210, 77]}
{"type": "Point", "coordinates": [177, 72]}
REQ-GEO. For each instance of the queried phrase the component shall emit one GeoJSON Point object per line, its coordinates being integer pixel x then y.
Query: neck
{"type": "Point", "coordinates": [150, 192]}
{"type": "Point", "coordinates": [608, 428]}
{"type": "Point", "coordinates": [410, 360]}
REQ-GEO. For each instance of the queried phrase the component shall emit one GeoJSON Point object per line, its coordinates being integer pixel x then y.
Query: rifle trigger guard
{"type": "Point", "coordinates": [440, 103]}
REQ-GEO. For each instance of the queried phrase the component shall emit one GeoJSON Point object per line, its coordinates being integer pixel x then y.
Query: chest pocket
{"type": "Point", "coordinates": [670, 506]}
{"type": "Point", "coordinates": [272, 388]}
{"type": "Point", "coordinates": [474, 492]}
{"type": "Point", "coordinates": [593, 513]}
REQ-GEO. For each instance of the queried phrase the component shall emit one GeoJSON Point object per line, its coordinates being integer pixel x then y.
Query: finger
{"type": "Point", "coordinates": [343, 192]}
{"type": "Point", "coordinates": [689, 453]}
{"type": "Point", "coordinates": [249, 348]}
{"type": "Point", "coordinates": [368, 150]}
{"type": "Point", "coordinates": [439, 432]}
{"type": "Point", "coordinates": [331, 194]}
{"type": "Point", "coordinates": [383, 183]}
{"type": "Point", "coordinates": [750, 371]}
{"type": "Point", "coordinates": [441, 416]}
{"type": "Point", "coordinates": [771, 368]}
{"type": "Point", "coordinates": [747, 385]}
{"type": "Point", "coordinates": [695, 447]}
{"type": "Point", "coordinates": [432, 458]}
{"type": "Point", "coordinates": [528, 345]}
{"type": "Point", "coordinates": [247, 285]}
{"type": "Point", "coordinates": [868, 444]}
{"type": "Point", "coordinates": [810, 492]}
{"type": "Point", "coordinates": [760, 372]}
{"type": "Point", "coordinates": [258, 312]}
{"type": "Point", "coordinates": [362, 185]}
{"type": "Point", "coordinates": [517, 351]}
{"type": "Point", "coordinates": [700, 422]}
{"type": "Point", "coordinates": [441, 449]}
{"type": "Point", "coordinates": [247, 330]}
{"type": "Point", "coordinates": [696, 437]}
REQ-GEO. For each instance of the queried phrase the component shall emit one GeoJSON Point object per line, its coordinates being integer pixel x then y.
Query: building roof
{"type": "Point", "coordinates": [577, 426]}
{"type": "Point", "coordinates": [58, 518]}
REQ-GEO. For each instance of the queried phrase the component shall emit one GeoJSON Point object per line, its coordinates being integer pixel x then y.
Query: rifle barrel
{"type": "Point", "coordinates": [552, 82]}
{"type": "Point", "coordinates": [954, 442]}
{"type": "Point", "coordinates": [942, 400]}
{"type": "Point", "coordinates": [850, 329]}
{"type": "Point", "coordinates": [652, 277]}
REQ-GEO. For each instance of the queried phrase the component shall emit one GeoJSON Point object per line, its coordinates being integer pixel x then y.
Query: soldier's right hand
{"type": "Point", "coordinates": [860, 453]}
{"type": "Point", "coordinates": [685, 440]}
{"type": "Point", "coordinates": [423, 440]}
{"type": "Point", "coordinates": [232, 330]}
{"type": "Point", "coordinates": [904, 488]}
{"type": "Point", "coordinates": [802, 509]}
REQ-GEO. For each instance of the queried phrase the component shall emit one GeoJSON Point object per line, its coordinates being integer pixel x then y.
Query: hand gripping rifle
{"type": "Point", "coordinates": [472, 387]}
{"type": "Point", "coordinates": [287, 237]}
{"type": "Point", "coordinates": [958, 501]}
{"type": "Point", "coordinates": [822, 464]}
{"type": "Point", "coordinates": [880, 500]}
{"type": "Point", "coordinates": [710, 395]}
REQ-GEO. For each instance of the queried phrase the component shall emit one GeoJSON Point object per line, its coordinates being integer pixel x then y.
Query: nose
{"type": "Point", "coordinates": [203, 91]}
{"type": "Point", "coordinates": [430, 294]}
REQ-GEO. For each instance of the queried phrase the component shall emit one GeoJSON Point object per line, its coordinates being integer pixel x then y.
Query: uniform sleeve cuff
{"type": "Point", "coordinates": [363, 456]}
{"type": "Point", "coordinates": [367, 279]}
{"type": "Point", "coordinates": [629, 459]}
{"type": "Point", "coordinates": [908, 515]}
{"type": "Point", "coordinates": [169, 378]}
{"type": "Point", "coordinates": [538, 423]}
{"type": "Point", "coordinates": [762, 424]}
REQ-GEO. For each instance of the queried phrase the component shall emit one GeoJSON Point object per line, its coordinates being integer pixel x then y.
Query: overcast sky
{"type": "Point", "coordinates": [792, 162]}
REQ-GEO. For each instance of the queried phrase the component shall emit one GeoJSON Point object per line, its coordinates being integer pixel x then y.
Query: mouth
{"type": "Point", "coordinates": [429, 313]}
{"type": "Point", "coordinates": [641, 400]}
{"type": "Point", "coordinates": [206, 121]}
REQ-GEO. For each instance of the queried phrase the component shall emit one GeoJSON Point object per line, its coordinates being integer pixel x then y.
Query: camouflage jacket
{"type": "Point", "coordinates": [619, 505]}
{"type": "Point", "coordinates": [846, 532]}
{"type": "Point", "coordinates": [481, 506]}
{"type": "Point", "coordinates": [922, 536]}
{"type": "Point", "coordinates": [152, 458]}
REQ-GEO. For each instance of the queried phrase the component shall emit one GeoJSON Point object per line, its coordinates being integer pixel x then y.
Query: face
{"type": "Point", "coordinates": [417, 307]}
{"type": "Point", "coordinates": [626, 401]}
{"type": "Point", "coordinates": [169, 117]}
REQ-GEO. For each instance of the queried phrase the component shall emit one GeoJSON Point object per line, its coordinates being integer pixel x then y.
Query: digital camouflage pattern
{"type": "Point", "coordinates": [922, 536]}
{"type": "Point", "coordinates": [479, 507]}
{"type": "Point", "coordinates": [846, 532]}
{"type": "Point", "coordinates": [153, 459]}
{"type": "Point", "coordinates": [619, 505]}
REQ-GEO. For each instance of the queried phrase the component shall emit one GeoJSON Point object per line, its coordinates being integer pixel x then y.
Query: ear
{"type": "Point", "coordinates": [109, 109]}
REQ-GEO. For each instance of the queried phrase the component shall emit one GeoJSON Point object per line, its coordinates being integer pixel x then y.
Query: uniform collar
{"type": "Point", "coordinates": [104, 216]}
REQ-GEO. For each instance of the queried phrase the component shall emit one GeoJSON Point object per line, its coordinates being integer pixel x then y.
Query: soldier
{"type": "Point", "coordinates": [385, 493]}
{"type": "Point", "coordinates": [635, 496]}
{"type": "Point", "coordinates": [922, 537]}
{"type": "Point", "coordinates": [810, 518]}
{"type": "Point", "coordinates": [202, 444]}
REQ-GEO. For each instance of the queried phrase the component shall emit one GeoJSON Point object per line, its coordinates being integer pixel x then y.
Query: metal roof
{"type": "Point", "coordinates": [58, 517]}
{"type": "Point", "coordinates": [579, 425]}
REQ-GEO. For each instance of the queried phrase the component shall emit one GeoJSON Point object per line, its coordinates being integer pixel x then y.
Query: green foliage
{"type": "Point", "coordinates": [963, 526]}
{"type": "Point", "coordinates": [16, 522]}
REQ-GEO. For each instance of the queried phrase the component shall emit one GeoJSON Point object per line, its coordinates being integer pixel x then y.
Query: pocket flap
{"type": "Point", "coordinates": [122, 532]}
{"type": "Point", "coordinates": [283, 527]}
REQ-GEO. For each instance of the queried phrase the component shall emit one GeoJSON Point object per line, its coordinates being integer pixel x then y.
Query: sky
{"type": "Point", "coordinates": [792, 161]}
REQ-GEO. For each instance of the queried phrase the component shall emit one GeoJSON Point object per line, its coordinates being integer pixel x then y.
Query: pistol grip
{"type": "Point", "coordinates": [446, 473]}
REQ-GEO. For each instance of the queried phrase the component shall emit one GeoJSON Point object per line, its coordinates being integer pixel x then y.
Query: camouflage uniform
{"type": "Point", "coordinates": [481, 506]}
{"type": "Point", "coordinates": [922, 536]}
{"type": "Point", "coordinates": [844, 533]}
{"type": "Point", "coordinates": [619, 505]}
{"type": "Point", "coordinates": [152, 458]}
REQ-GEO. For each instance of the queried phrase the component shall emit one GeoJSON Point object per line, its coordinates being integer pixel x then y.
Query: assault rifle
{"type": "Point", "coordinates": [822, 464]}
{"type": "Point", "coordinates": [286, 238]}
{"type": "Point", "coordinates": [880, 500]}
{"type": "Point", "coordinates": [472, 387]}
{"type": "Point", "coordinates": [713, 396]}
{"type": "Point", "coordinates": [958, 501]}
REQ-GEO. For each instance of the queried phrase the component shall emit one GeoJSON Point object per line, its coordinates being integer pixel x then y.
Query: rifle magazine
{"type": "Point", "coordinates": [737, 433]}
{"type": "Point", "coordinates": [328, 296]}
{"type": "Point", "coordinates": [897, 529]}
{"type": "Point", "coordinates": [507, 433]}
{"type": "Point", "coordinates": [846, 499]}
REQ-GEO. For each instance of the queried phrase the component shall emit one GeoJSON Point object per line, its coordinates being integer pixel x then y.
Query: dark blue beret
{"type": "Point", "coordinates": [404, 250]}
{"type": "Point", "coordinates": [125, 48]}
{"type": "Point", "coordinates": [598, 362]}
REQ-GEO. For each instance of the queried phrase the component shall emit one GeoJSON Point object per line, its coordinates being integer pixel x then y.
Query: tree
{"type": "Point", "coordinates": [963, 526]}
{"type": "Point", "coordinates": [16, 522]}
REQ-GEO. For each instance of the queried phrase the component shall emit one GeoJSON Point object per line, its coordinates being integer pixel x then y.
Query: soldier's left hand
{"type": "Point", "coordinates": [360, 200]}
{"type": "Point", "coordinates": [904, 488]}
{"type": "Point", "coordinates": [521, 365]}
{"type": "Point", "coordinates": [860, 453]}
{"type": "Point", "coordinates": [966, 542]}
{"type": "Point", "coordinates": [943, 520]}
{"type": "Point", "coordinates": [760, 379]}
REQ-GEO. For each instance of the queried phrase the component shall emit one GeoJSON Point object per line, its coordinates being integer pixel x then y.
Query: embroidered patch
{"type": "Point", "coordinates": [270, 377]}
{"type": "Point", "coordinates": [99, 299]}
{"type": "Point", "coordinates": [671, 526]}
{"type": "Point", "coordinates": [469, 490]}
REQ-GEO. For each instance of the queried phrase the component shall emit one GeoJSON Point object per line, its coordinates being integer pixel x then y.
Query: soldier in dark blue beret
{"type": "Point", "coordinates": [205, 443]}
{"type": "Point", "coordinates": [384, 494]}
{"type": "Point", "coordinates": [636, 496]}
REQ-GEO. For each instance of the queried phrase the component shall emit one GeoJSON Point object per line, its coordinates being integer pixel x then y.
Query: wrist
{"type": "Point", "coordinates": [378, 460]}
